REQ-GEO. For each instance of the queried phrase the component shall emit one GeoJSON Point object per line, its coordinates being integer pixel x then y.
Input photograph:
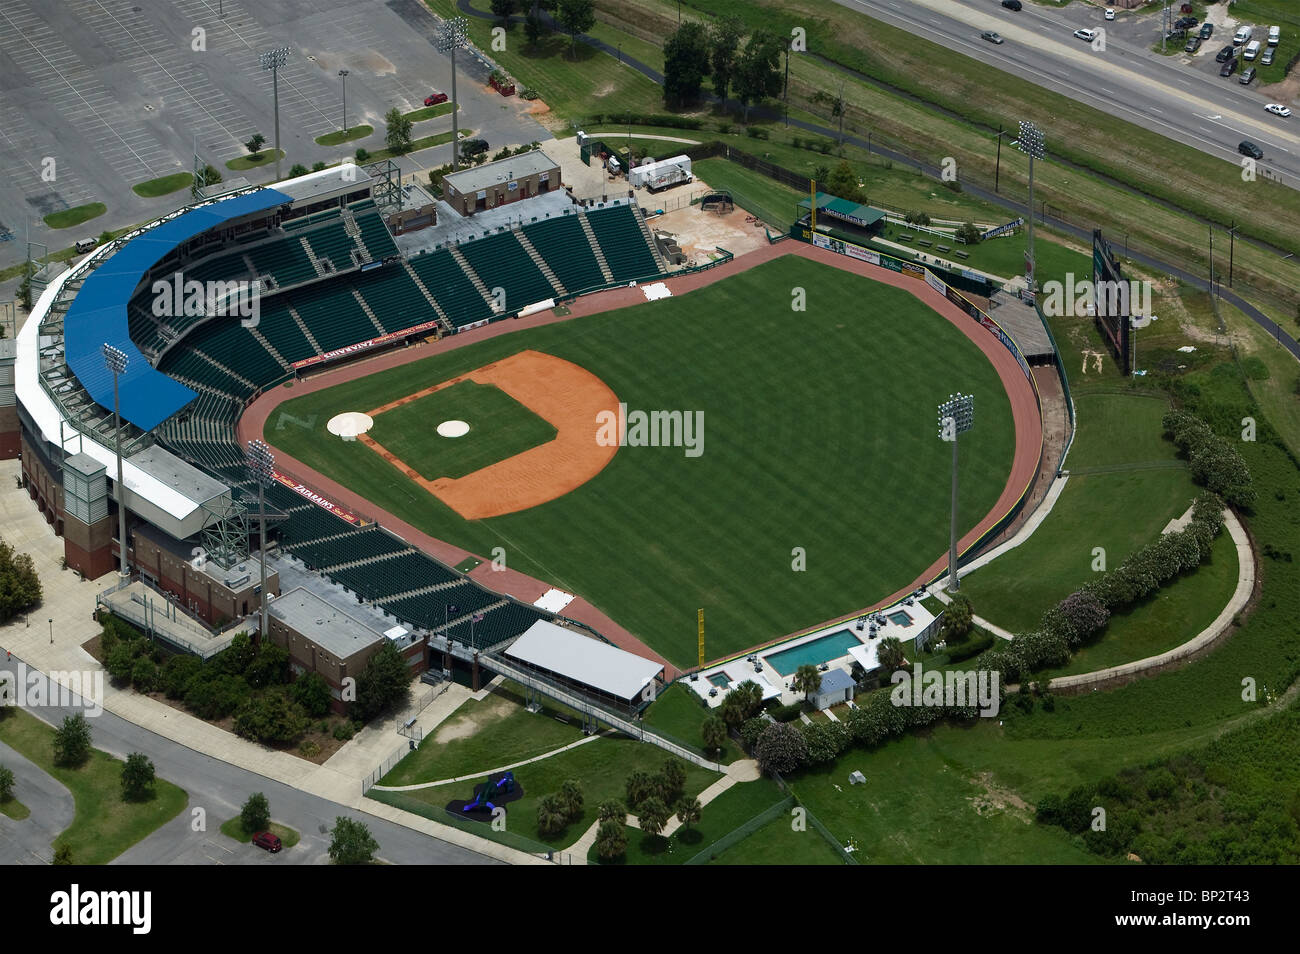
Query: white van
{"type": "Point", "coordinates": [1242, 35]}
{"type": "Point", "coordinates": [86, 245]}
{"type": "Point", "coordinates": [1274, 35]}
{"type": "Point", "coordinates": [1252, 50]}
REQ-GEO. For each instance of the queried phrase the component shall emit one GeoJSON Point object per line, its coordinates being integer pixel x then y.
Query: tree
{"type": "Point", "coordinates": [255, 816]}
{"type": "Point", "coordinates": [758, 70]}
{"type": "Point", "coordinates": [534, 27]}
{"type": "Point", "coordinates": [351, 843]}
{"type": "Point", "coordinates": [689, 811]}
{"type": "Point", "coordinates": [211, 175]}
{"type": "Point", "coordinates": [611, 840]}
{"type": "Point", "coordinates": [724, 42]}
{"type": "Point", "coordinates": [176, 674]}
{"type": "Point", "coordinates": [384, 684]}
{"type": "Point", "coordinates": [968, 233]}
{"type": "Point", "coordinates": [746, 699]}
{"type": "Point", "coordinates": [653, 815]}
{"type": "Point", "coordinates": [576, 16]}
{"type": "Point", "coordinates": [640, 786]}
{"type": "Point", "coordinates": [255, 144]}
{"type": "Point", "coordinates": [297, 169]}
{"type": "Point", "coordinates": [781, 748]}
{"type": "Point", "coordinates": [72, 741]}
{"type": "Point", "coordinates": [890, 654]}
{"type": "Point", "coordinates": [807, 679]}
{"type": "Point", "coordinates": [958, 618]}
{"type": "Point", "coordinates": [137, 778]}
{"type": "Point", "coordinates": [611, 809]}
{"type": "Point", "coordinates": [63, 854]}
{"type": "Point", "coordinates": [843, 182]}
{"type": "Point", "coordinates": [121, 661]}
{"type": "Point", "coordinates": [6, 784]}
{"type": "Point", "coordinates": [20, 587]}
{"type": "Point", "coordinates": [272, 718]}
{"type": "Point", "coordinates": [270, 666]}
{"type": "Point", "coordinates": [714, 732]}
{"type": "Point", "coordinates": [502, 9]}
{"type": "Point", "coordinates": [552, 815]}
{"type": "Point", "coordinates": [144, 675]}
{"type": "Point", "coordinates": [312, 692]}
{"type": "Point", "coordinates": [686, 63]}
{"type": "Point", "coordinates": [751, 729]}
{"type": "Point", "coordinates": [673, 780]}
{"type": "Point", "coordinates": [318, 165]}
{"type": "Point", "coordinates": [571, 796]}
{"type": "Point", "coordinates": [398, 137]}
{"type": "Point", "coordinates": [237, 657]}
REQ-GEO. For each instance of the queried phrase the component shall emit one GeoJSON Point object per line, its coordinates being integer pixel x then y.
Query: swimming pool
{"type": "Point", "coordinates": [900, 618]}
{"type": "Point", "coordinates": [820, 650]}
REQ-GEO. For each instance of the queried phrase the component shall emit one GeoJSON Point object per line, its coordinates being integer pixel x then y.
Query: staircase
{"type": "Point", "coordinates": [539, 261]}
{"type": "Point", "coordinates": [365, 562]}
{"type": "Point", "coordinates": [650, 240]}
{"type": "Point", "coordinates": [424, 290]}
{"type": "Point", "coordinates": [365, 306]}
{"type": "Point", "coordinates": [270, 348]}
{"type": "Point", "coordinates": [423, 590]}
{"type": "Point", "coordinates": [595, 246]}
{"type": "Point", "coordinates": [302, 326]}
{"type": "Point", "coordinates": [316, 263]}
{"type": "Point", "coordinates": [350, 226]}
{"type": "Point", "coordinates": [223, 368]}
{"type": "Point", "coordinates": [474, 279]}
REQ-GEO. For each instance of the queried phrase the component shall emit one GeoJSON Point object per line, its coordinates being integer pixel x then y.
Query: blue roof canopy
{"type": "Point", "coordinates": [98, 313]}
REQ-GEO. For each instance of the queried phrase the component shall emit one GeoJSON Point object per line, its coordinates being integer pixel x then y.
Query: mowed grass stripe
{"type": "Point", "coordinates": [819, 432]}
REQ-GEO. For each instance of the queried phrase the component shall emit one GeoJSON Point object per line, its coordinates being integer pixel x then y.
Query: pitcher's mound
{"type": "Point", "coordinates": [453, 429]}
{"type": "Point", "coordinates": [349, 424]}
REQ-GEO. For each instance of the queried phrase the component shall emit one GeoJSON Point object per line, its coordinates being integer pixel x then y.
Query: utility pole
{"type": "Point", "coordinates": [1213, 289]}
{"type": "Point", "coordinates": [343, 75]}
{"type": "Point", "coordinates": [1232, 245]}
{"type": "Point", "coordinates": [1031, 144]}
{"type": "Point", "coordinates": [115, 361]}
{"type": "Point", "coordinates": [272, 60]}
{"type": "Point", "coordinates": [956, 416]}
{"type": "Point", "coordinates": [785, 88]}
{"type": "Point", "coordinates": [261, 464]}
{"type": "Point", "coordinates": [451, 37]}
{"type": "Point", "coordinates": [997, 171]}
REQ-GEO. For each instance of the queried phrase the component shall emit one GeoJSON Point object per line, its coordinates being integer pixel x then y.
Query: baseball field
{"type": "Point", "coordinates": [816, 484]}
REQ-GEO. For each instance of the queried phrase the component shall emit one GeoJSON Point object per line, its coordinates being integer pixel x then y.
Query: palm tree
{"type": "Point", "coordinates": [611, 809]}
{"type": "Point", "coordinates": [714, 731]}
{"type": "Point", "coordinates": [689, 811]}
{"type": "Point", "coordinates": [551, 816]}
{"type": "Point", "coordinates": [653, 815]}
{"type": "Point", "coordinates": [807, 679]}
{"type": "Point", "coordinates": [890, 654]}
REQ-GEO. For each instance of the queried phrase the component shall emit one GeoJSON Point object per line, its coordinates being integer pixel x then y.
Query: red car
{"type": "Point", "coordinates": [267, 840]}
{"type": "Point", "coordinates": [435, 98]}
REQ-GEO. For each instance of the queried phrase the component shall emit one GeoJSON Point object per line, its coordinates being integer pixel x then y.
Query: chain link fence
{"type": "Point", "coordinates": [741, 832]}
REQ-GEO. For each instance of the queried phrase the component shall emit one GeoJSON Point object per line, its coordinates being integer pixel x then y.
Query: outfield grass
{"type": "Point", "coordinates": [234, 828]}
{"type": "Point", "coordinates": [481, 736]}
{"type": "Point", "coordinates": [103, 825]}
{"type": "Point", "coordinates": [67, 218]}
{"type": "Point", "coordinates": [720, 817]}
{"type": "Point", "coordinates": [340, 136]}
{"type": "Point", "coordinates": [678, 714]}
{"type": "Point", "coordinates": [500, 427]}
{"type": "Point", "coordinates": [1004, 257]}
{"type": "Point", "coordinates": [601, 767]}
{"type": "Point", "coordinates": [164, 185]}
{"type": "Point", "coordinates": [800, 410]}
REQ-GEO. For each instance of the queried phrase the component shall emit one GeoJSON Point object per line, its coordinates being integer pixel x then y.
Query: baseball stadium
{"type": "Point", "coordinates": [545, 423]}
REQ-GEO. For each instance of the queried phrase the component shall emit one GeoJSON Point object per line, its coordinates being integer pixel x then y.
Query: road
{"type": "Point", "coordinates": [216, 788]}
{"type": "Point", "coordinates": [1181, 97]}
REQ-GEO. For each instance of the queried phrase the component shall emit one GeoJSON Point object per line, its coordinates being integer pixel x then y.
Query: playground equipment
{"type": "Point", "coordinates": [504, 785]}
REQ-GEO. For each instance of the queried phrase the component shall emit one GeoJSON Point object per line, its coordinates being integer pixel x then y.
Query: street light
{"type": "Point", "coordinates": [1031, 144]}
{"type": "Point", "coordinates": [261, 465]}
{"type": "Point", "coordinates": [451, 37]}
{"type": "Point", "coordinates": [343, 75]}
{"type": "Point", "coordinates": [956, 416]}
{"type": "Point", "coordinates": [115, 361]}
{"type": "Point", "coordinates": [51, 630]}
{"type": "Point", "coordinates": [272, 60]}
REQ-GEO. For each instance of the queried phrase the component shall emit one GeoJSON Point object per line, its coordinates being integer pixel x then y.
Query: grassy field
{"type": "Point", "coordinates": [778, 843]}
{"type": "Point", "coordinates": [13, 807]}
{"type": "Point", "coordinates": [771, 201]}
{"type": "Point", "coordinates": [601, 767]}
{"type": "Point", "coordinates": [67, 218]}
{"type": "Point", "coordinates": [340, 136]}
{"type": "Point", "coordinates": [103, 825]}
{"type": "Point", "coordinates": [164, 185]}
{"type": "Point", "coordinates": [799, 409]}
{"type": "Point", "coordinates": [264, 158]}
{"type": "Point", "coordinates": [428, 112]}
{"type": "Point", "coordinates": [678, 714]}
{"type": "Point", "coordinates": [500, 427]}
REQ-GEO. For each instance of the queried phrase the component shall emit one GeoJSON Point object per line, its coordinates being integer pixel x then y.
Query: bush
{"type": "Point", "coordinates": [825, 741]}
{"type": "Point", "coordinates": [312, 692]}
{"type": "Point", "coordinates": [786, 713]}
{"type": "Point", "coordinates": [144, 675]}
{"type": "Point", "coordinates": [362, 154]}
{"type": "Point", "coordinates": [255, 815]}
{"type": "Point", "coordinates": [176, 674]}
{"type": "Point", "coordinates": [751, 729]}
{"type": "Point", "coordinates": [781, 748]}
{"type": "Point", "coordinates": [970, 648]}
{"type": "Point", "coordinates": [215, 697]}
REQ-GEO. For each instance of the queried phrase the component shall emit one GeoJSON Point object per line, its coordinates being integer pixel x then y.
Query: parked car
{"type": "Point", "coordinates": [992, 36]}
{"type": "Point", "coordinates": [268, 840]}
{"type": "Point", "coordinates": [1207, 30]}
{"type": "Point", "coordinates": [86, 245]}
{"type": "Point", "coordinates": [1011, 4]}
{"type": "Point", "coordinates": [1185, 23]}
{"type": "Point", "coordinates": [1176, 35]}
{"type": "Point", "coordinates": [1228, 68]}
{"type": "Point", "coordinates": [1247, 77]}
{"type": "Point", "coordinates": [433, 99]}
{"type": "Point", "coordinates": [1266, 58]}
{"type": "Point", "coordinates": [1225, 54]}
{"type": "Point", "coordinates": [1110, 13]}
{"type": "Point", "coordinates": [1193, 45]}
{"type": "Point", "coordinates": [1085, 34]}
{"type": "Point", "coordinates": [1278, 109]}
{"type": "Point", "coordinates": [1248, 148]}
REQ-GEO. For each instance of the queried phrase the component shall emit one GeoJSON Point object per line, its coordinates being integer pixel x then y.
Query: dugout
{"type": "Point", "coordinates": [853, 222]}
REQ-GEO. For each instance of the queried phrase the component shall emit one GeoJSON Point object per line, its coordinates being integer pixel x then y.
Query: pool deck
{"type": "Point", "coordinates": [775, 685]}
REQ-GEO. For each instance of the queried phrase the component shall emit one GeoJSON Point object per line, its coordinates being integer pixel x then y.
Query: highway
{"type": "Point", "coordinates": [1181, 97]}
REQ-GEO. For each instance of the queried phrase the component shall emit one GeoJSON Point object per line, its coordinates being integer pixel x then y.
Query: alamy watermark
{"type": "Point", "coordinates": [1081, 298]}
{"type": "Point", "coordinates": [73, 689]}
{"type": "Point", "coordinates": [978, 688]}
{"type": "Point", "coordinates": [651, 429]}
{"type": "Point", "coordinates": [175, 297]}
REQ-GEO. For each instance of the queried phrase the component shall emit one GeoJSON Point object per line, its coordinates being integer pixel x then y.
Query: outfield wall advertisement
{"type": "Point", "coordinates": [364, 345]}
{"type": "Point", "coordinates": [308, 494]}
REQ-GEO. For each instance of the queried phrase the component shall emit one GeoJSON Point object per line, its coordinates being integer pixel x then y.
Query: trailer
{"type": "Point", "coordinates": [662, 174]}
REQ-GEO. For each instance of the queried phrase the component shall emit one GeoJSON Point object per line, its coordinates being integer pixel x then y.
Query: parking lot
{"type": "Point", "coordinates": [101, 95]}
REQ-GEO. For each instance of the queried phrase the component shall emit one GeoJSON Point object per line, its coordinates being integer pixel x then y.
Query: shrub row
{"type": "Point", "coordinates": [1214, 463]}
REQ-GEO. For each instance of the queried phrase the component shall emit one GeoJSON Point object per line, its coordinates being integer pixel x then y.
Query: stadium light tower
{"type": "Point", "coordinates": [343, 75]}
{"type": "Point", "coordinates": [956, 416]}
{"type": "Point", "coordinates": [115, 361]}
{"type": "Point", "coordinates": [272, 60]}
{"type": "Point", "coordinates": [1031, 144]}
{"type": "Point", "coordinates": [451, 37]}
{"type": "Point", "coordinates": [261, 463]}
